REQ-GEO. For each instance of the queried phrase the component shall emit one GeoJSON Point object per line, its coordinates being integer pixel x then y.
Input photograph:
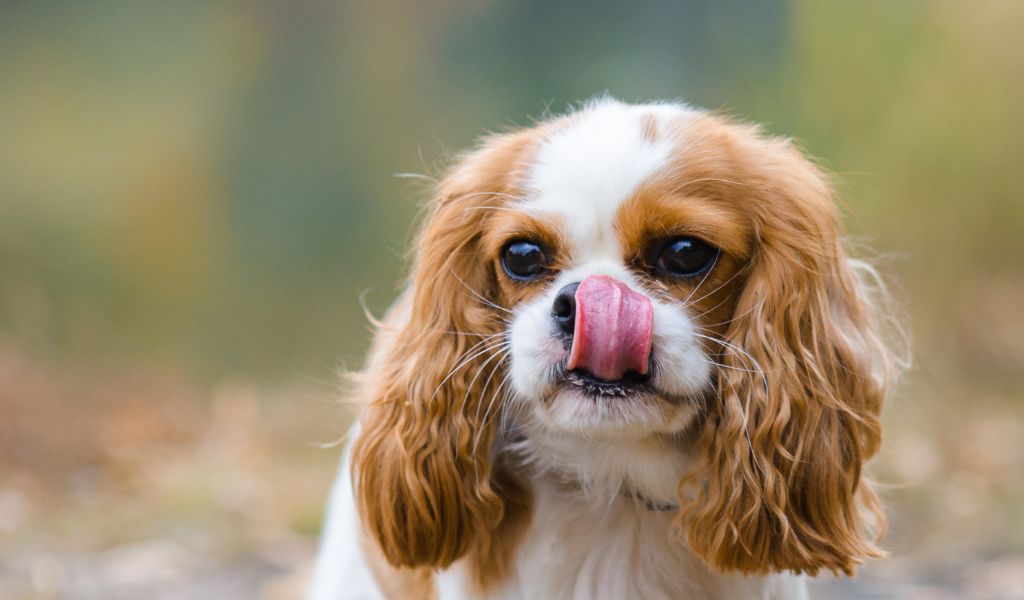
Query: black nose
{"type": "Point", "coordinates": [563, 309]}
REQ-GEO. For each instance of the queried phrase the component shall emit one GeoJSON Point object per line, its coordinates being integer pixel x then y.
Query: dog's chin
{"type": "Point", "coordinates": [632, 408]}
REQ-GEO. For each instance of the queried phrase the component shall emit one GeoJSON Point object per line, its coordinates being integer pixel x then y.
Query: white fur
{"type": "Point", "coordinates": [340, 572]}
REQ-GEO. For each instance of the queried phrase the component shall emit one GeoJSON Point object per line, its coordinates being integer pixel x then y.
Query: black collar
{"type": "Point", "coordinates": [653, 505]}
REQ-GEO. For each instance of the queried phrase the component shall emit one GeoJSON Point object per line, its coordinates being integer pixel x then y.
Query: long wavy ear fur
{"type": "Point", "coordinates": [423, 480]}
{"type": "Point", "coordinates": [797, 413]}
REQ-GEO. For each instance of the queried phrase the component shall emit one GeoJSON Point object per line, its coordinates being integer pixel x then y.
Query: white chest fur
{"type": "Point", "coordinates": [577, 551]}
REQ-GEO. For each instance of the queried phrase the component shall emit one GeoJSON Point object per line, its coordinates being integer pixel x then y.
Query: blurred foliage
{"type": "Point", "coordinates": [197, 193]}
{"type": "Point", "coordinates": [208, 184]}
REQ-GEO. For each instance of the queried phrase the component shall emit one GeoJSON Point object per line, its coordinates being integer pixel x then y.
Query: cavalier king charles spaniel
{"type": "Point", "coordinates": [632, 360]}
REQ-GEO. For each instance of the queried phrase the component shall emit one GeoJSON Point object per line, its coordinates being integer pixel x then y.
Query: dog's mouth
{"type": "Point", "coordinates": [630, 385]}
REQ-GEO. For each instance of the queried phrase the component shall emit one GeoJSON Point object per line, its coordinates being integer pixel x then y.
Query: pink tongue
{"type": "Point", "coordinates": [613, 329]}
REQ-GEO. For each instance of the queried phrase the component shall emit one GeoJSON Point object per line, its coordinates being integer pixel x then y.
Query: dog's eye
{"type": "Point", "coordinates": [523, 260]}
{"type": "Point", "coordinates": [686, 257]}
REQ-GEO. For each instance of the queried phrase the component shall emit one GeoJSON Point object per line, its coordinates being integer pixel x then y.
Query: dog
{"type": "Point", "coordinates": [632, 360]}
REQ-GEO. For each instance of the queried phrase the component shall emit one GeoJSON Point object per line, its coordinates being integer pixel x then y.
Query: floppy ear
{"type": "Point", "coordinates": [423, 479]}
{"type": "Point", "coordinates": [797, 413]}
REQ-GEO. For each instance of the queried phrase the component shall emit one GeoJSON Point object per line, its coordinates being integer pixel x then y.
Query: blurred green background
{"type": "Point", "coordinates": [194, 196]}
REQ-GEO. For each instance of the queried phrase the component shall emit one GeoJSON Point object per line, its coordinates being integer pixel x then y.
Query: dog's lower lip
{"type": "Point", "coordinates": [630, 378]}
{"type": "Point", "coordinates": [630, 385]}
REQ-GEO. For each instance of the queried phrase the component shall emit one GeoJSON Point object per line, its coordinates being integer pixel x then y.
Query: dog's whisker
{"type": "Point", "coordinates": [714, 180]}
{"type": "Point", "coordinates": [720, 286]}
{"type": "Point", "coordinates": [501, 385]}
{"type": "Point", "coordinates": [730, 367]}
{"type": "Point", "coordinates": [469, 334]}
{"type": "Point", "coordinates": [500, 354]}
{"type": "Point", "coordinates": [713, 308]}
{"type": "Point", "coordinates": [421, 176]}
{"type": "Point", "coordinates": [490, 404]}
{"type": "Point", "coordinates": [483, 391]}
{"type": "Point", "coordinates": [477, 294]}
{"type": "Point", "coordinates": [740, 352]}
{"type": "Point", "coordinates": [495, 194]}
{"type": "Point", "coordinates": [488, 340]}
{"type": "Point", "coordinates": [726, 322]}
{"type": "Point", "coordinates": [744, 409]}
{"type": "Point", "coordinates": [494, 208]}
{"type": "Point", "coordinates": [703, 279]}
{"type": "Point", "coordinates": [465, 361]}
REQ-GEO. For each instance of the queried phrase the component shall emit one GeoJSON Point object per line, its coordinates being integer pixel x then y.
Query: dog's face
{"type": "Point", "coordinates": [621, 275]}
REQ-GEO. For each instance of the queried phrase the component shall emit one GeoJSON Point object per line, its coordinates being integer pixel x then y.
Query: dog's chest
{"type": "Point", "coordinates": [574, 550]}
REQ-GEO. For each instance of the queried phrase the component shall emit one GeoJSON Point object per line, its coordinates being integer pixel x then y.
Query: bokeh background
{"type": "Point", "coordinates": [195, 195]}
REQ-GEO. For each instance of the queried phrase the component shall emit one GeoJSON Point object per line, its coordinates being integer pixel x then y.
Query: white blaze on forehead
{"type": "Point", "coordinates": [584, 172]}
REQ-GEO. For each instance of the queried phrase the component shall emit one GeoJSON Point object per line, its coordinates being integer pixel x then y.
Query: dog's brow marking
{"type": "Point", "coordinates": [586, 171]}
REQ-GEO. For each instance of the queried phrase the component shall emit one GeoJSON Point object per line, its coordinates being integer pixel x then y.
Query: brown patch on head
{"type": "Point", "coordinates": [649, 128]}
{"type": "Point", "coordinates": [698, 195]}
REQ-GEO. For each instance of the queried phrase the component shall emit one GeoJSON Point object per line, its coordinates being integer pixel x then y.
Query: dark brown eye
{"type": "Point", "coordinates": [523, 260]}
{"type": "Point", "coordinates": [686, 257]}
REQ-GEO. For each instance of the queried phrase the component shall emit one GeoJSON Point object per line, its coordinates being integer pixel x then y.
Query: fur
{"type": "Point", "coordinates": [477, 474]}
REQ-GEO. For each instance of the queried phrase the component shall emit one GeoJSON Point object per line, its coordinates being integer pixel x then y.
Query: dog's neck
{"type": "Point", "coordinates": [646, 470]}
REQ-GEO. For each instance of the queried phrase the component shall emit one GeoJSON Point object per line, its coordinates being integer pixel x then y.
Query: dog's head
{"type": "Point", "coordinates": [656, 281]}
